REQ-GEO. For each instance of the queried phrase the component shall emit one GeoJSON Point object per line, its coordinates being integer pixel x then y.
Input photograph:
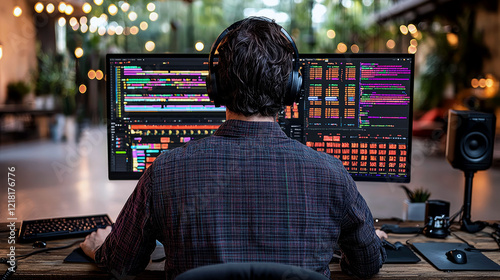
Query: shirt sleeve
{"type": "Point", "coordinates": [363, 253]}
{"type": "Point", "coordinates": [127, 249]}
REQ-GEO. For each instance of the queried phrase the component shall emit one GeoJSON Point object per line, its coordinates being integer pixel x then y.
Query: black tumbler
{"type": "Point", "coordinates": [437, 219]}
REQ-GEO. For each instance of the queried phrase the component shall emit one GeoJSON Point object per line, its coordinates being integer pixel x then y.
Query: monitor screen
{"type": "Point", "coordinates": [155, 102]}
{"type": "Point", "coordinates": [355, 107]}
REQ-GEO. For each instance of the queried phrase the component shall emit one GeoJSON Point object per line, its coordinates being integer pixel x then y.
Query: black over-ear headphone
{"type": "Point", "coordinates": [294, 81]}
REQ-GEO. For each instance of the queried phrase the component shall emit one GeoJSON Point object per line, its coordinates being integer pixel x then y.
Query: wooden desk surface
{"type": "Point", "coordinates": [50, 265]}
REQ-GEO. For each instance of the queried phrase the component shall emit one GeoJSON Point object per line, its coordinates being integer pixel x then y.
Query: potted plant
{"type": "Point", "coordinates": [16, 92]}
{"type": "Point", "coordinates": [414, 205]}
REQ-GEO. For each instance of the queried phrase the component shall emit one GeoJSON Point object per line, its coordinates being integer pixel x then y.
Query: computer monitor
{"type": "Point", "coordinates": [356, 107]}
{"type": "Point", "coordinates": [155, 102]}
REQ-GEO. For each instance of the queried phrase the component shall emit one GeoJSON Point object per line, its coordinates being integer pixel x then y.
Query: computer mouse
{"type": "Point", "coordinates": [39, 244]}
{"type": "Point", "coordinates": [457, 256]}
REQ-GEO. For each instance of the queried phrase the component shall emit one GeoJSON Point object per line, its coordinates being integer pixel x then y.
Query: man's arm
{"type": "Point", "coordinates": [363, 253]}
{"type": "Point", "coordinates": [126, 249]}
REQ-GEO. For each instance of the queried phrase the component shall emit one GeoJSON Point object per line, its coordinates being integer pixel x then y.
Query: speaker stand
{"type": "Point", "coordinates": [465, 223]}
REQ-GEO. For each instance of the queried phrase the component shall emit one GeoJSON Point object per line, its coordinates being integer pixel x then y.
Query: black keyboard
{"type": "Point", "coordinates": [64, 227]}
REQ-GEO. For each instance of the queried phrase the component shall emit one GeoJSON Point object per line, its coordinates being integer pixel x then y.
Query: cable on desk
{"type": "Point", "coordinates": [21, 257]}
{"type": "Point", "coordinates": [472, 248]}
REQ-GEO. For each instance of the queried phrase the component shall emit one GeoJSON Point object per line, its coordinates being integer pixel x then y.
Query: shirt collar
{"type": "Point", "coordinates": [238, 128]}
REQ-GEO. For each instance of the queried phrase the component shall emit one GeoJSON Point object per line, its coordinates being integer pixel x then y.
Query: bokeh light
{"type": "Point", "coordinates": [39, 7]}
{"type": "Point", "coordinates": [199, 46]}
{"type": "Point", "coordinates": [153, 16]}
{"type": "Point", "coordinates": [61, 7]}
{"type": "Point", "coordinates": [78, 52]}
{"type": "Point", "coordinates": [82, 88]}
{"type": "Point", "coordinates": [17, 12]}
{"type": "Point", "coordinates": [99, 74]}
{"type": "Point", "coordinates": [61, 21]}
{"type": "Point", "coordinates": [50, 8]}
{"type": "Point", "coordinates": [87, 8]}
{"type": "Point", "coordinates": [151, 7]}
{"type": "Point", "coordinates": [341, 47]}
{"type": "Point", "coordinates": [113, 9]}
{"type": "Point", "coordinates": [391, 44]}
{"type": "Point", "coordinates": [330, 34]}
{"type": "Point", "coordinates": [69, 9]}
{"type": "Point", "coordinates": [403, 29]}
{"type": "Point", "coordinates": [91, 74]}
{"type": "Point", "coordinates": [125, 6]}
{"type": "Point", "coordinates": [134, 30]}
{"type": "Point", "coordinates": [132, 16]}
{"type": "Point", "coordinates": [355, 48]}
{"type": "Point", "coordinates": [150, 46]}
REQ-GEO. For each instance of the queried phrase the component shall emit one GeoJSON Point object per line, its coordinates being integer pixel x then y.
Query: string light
{"type": "Point", "coordinates": [39, 7]}
{"type": "Point", "coordinates": [330, 34]}
{"type": "Point", "coordinates": [17, 11]}
{"type": "Point", "coordinates": [199, 46]}
{"type": "Point", "coordinates": [78, 52]}
{"type": "Point", "coordinates": [86, 8]}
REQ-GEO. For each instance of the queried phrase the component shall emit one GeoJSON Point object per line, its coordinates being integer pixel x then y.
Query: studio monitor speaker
{"type": "Point", "coordinates": [469, 143]}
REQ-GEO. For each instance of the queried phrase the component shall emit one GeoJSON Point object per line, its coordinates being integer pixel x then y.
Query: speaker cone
{"type": "Point", "coordinates": [474, 146]}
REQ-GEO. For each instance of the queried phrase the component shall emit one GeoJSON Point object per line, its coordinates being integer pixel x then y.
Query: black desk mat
{"type": "Point", "coordinates": [435, 253]}
{"type": "Point", "coordinates": [401, 255]}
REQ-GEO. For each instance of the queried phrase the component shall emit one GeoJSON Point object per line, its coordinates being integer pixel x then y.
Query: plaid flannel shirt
{"type": "Point", "coordinates": [247, 193]}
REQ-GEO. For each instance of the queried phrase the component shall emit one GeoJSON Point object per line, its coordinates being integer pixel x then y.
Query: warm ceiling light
{"type": "Point", "coordinates": [61, 7]}
{"type": "Point", "coordinates": [403, 29]}
{"type": "Point", "coordinates": [342, 48]}
{"type": "Point", "coordinates": [91, 74]}
{"type": "Point", "coordinates": [199, 46]}
{"type": "Point", "coordinates": [99, 75]}
{"type": "Point", "coordinates": [39, 7]}
{"type": "Point", "coordinates": [150, 46]}
{"type": "Point", "coordinates": [86, 8]}
{"type": "Point", "coordinates": [78, 52]}
{"type": "Point", "coordinates": [390, 44]}
{"type": "Point", "coordinates": [330, 34]}
{"type": "Point", "coordinates": [132, 16]}
{"type": "Point", "coordinates": [50, 8]}
{"type": "Point", "coordinates": [82, 88]}
{"type": "Point", "coordinates": [61, 21]}
{"type": "Point", "coordinates": [69, 9]}
{"type": "Point", "coordinates": [98, 2]}
{"type": "Point", "coordinates": [125, 6]}
{"type": "Point", "coordinates": [151, 7]}
{"type": "Point", "coordinates": [355, 48]}
{"type": "Point", "coordinates": [17, 11]}
{"type": "Point", "coordinates": [112, 9]}
{"type": "Point", "coordinates": [153, 16]}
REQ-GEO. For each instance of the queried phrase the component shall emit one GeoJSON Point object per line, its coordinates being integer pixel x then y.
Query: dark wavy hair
{"type": "Point", "coordinates": [255, 61]}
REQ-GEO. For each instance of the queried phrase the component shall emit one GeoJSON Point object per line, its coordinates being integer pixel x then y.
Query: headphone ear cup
{"type": "Point", "coordinates": [212, 87]}
{"type": "Point", "coordinates": [295, 87]}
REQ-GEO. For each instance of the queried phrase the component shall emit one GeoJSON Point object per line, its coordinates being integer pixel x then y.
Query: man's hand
{"type": "Point", "coordinates": [94, 241]}
{"type": "Point", "coordinates": [381, 234]}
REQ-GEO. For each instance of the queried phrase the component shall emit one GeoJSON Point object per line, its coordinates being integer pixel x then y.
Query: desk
{"type": "Point", "coordinates": [51, 266]}
{"type": "Point", "coordinates": [31, 120]}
